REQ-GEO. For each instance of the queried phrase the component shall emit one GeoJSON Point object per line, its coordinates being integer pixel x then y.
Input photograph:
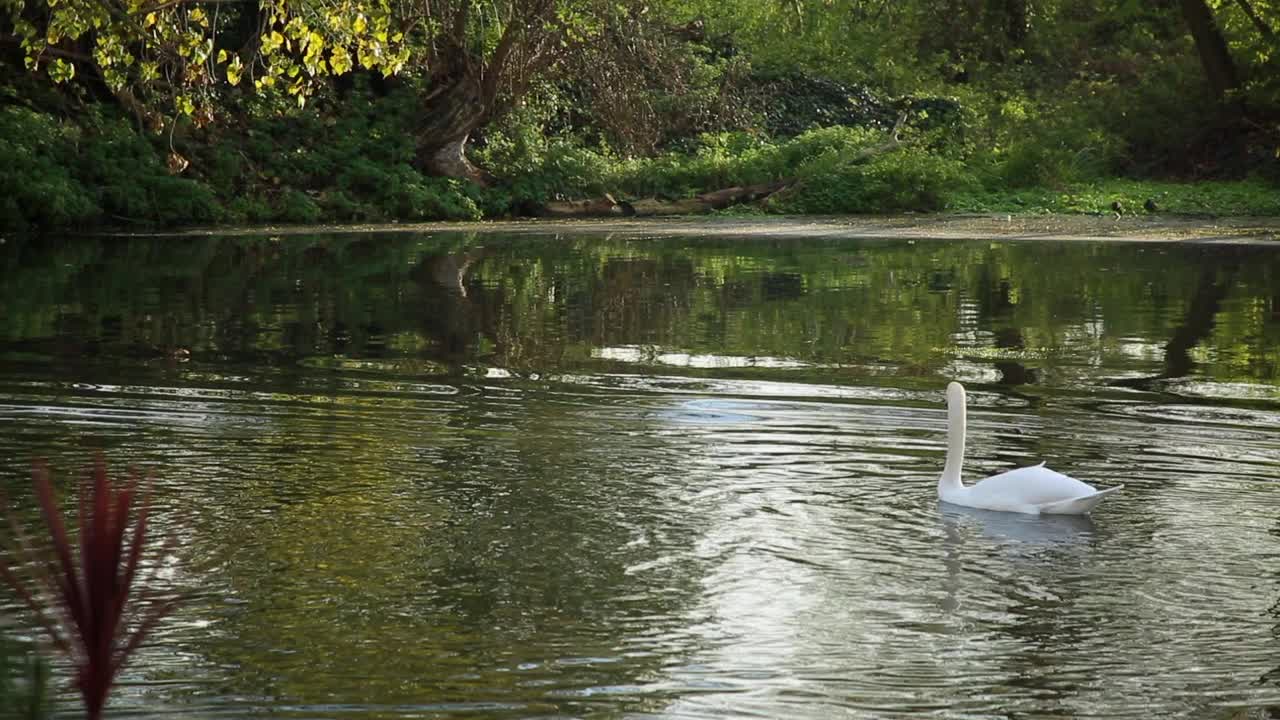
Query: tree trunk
{"type": "Point", "coordinates": [449, 159]}
{"type": "Point", "coordinates": [450, 114]}
{"type": "Point", "coordinates": [1215, 57]}
{"type": "Point", "coordinates": [1015, 22]}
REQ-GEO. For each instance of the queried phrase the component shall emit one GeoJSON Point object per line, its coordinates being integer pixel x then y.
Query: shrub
{"type": "Point", "coordinates": [793, 103]}
{"type": "Point", "coordinates": [295, 207]}
{"type": "Point", "coordinates": [729, 159]}
{"type": "Point", "coordinates": [447, 199]}
{"type": "Point", "coordinates": [38, 185]}
{"type": "Point", "coordinates": [340, 206]}
{"type": "Point", "coordinates": [180, 201]}
{"type": "Point", "coordinates": [909, 179]}
{"type": "Point", "coordinates": [249, 209]}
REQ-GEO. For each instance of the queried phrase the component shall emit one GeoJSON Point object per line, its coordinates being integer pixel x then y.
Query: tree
{"type": "Point", "coordinates": [161, 57]}
{"type": "Point", "coordinates": [1215, 57]}
{"type": "Point", "coordinates": [174, 57]}
{"type": "Point", "coordinates": [480, 58]}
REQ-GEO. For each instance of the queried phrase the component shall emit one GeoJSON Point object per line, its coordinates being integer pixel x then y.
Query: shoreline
{"type": "Point", "coordinates": [1058, 228]}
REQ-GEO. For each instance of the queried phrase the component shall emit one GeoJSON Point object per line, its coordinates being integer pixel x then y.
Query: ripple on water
{"type": "Point", "coordinates": [692, 547]}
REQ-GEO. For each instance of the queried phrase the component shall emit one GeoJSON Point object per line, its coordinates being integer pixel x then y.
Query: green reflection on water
{"type": "Point", "coordinates": [547, 304]}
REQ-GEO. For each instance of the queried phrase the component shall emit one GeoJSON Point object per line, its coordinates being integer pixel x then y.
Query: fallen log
{"type": "Point", "coordinates": [652, 207]}
{"type": "Point", "coordinates": [595, 207]}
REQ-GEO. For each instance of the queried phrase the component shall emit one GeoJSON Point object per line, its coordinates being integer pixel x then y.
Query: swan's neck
{"type": "Point", "coordinates": [950, 480]}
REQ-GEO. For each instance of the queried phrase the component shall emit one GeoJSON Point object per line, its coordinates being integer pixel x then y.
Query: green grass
{"type": "Point", "coordinates": [1214, 198]}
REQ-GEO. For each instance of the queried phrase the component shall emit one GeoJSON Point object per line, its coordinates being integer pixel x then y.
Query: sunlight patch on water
{"type": "Point", "coordinates": [652, 355]}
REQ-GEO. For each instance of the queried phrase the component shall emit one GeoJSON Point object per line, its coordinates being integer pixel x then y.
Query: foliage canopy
{"type": "Point", "coordinates": [343, 109]}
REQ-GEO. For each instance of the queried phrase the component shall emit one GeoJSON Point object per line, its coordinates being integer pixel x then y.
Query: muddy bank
{"type": "Point", "coordinates": [923, 227]}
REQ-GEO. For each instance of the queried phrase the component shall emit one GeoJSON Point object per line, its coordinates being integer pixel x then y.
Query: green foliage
{"type": "Point", "coordinates": [417, 198]}
{"type": "Point", "coordinates": [39, 186]}
{"type": "Point", "coordinates": [910, 179]}
{"type": "Point", "coordinates": [534, 167]}
{"type": "Point", "coordinates": [667, 99]}
{"type": "Point", "coordinates": [643, 86]}
{"type": "Point", "coordinates": [64, 174]}
{"type": "Point", "coordinates": [180, 201]}
{"type": "Point", "coordinates": [1042, 144]}
{"type": "Point", "coordinates": [339, 206]}
{"type": "Point", "coordinates": [174, 57]}
{"type": "Point", "coordinates": [1204, 198]}
{"type": "Point", "coordinates": [795, 102]}
{"type": "Point", "coordinates": [834, 173]}
{"type": "Point", "coordinates": [729, 159]}
{"type": "Point", "coordinates": [352, 163]}
{"type": "Point", "coordinates": [249, 209]}
{"type": "Point", "coordinates": [296, 207]}
{"type": "Point", "coordinates": [562, 170]}
{"type": "Point", "coordinates": [130, 181]}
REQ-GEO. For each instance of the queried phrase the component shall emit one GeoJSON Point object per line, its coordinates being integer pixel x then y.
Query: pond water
{"type": "Point", "coordinates": [484, 475]}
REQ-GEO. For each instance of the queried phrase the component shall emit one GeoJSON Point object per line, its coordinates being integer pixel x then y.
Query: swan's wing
{"type": "Point", "coordinates": [1033, 486]}
{"type": "Point", "coordinates": [1079, 505]}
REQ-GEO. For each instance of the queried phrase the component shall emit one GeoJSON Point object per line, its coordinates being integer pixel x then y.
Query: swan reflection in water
{"type": "Point", "coordinates": [1031, 529]}
{"type": "Point", "coordinates": [1019, 537]}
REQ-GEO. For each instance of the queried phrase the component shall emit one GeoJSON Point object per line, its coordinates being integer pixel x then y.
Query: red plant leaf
{"type": "Point", "coordinates": [69, 588]}
{"type": "Point", "coordinates": [93, 590]}
{"type": "Point", "coordinates": [136, 545]}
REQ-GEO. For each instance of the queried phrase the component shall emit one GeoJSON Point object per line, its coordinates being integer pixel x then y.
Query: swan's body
{"type": "Point", "coordinates": [1035, 490]}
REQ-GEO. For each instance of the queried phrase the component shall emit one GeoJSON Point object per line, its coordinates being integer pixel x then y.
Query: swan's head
{"type": "Point", "coordinates": [955, 394]}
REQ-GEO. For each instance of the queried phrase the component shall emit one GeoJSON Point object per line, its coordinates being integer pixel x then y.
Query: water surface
{"type": "Point", "coordinates": [476, 475]}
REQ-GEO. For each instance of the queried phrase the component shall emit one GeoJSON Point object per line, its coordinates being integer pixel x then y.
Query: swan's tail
{"type": "Point", "coordinates": [1077, 506]}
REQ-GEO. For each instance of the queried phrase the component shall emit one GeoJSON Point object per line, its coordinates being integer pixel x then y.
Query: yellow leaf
{"type": "Point", "coordinates": [222, 56]}
{"type": "Point", "coordinates": [150, 20]}
{"type": "Point", "coordinates": [340, 61]}
{"type": "Point", "coordinates": [61, 71]}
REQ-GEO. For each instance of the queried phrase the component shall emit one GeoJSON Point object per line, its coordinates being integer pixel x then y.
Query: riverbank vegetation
{"type": "Point", "coordinates": [133, 113]}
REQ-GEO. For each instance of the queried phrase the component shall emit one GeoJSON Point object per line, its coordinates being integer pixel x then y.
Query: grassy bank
{"type": "Point", "coordinates": [1212, 198]}
{"type": "Point", "coordinates": [354, 163]}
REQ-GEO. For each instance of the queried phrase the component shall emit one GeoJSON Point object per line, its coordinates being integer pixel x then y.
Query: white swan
{"type": "Point", "coordinates": [1034, 490]}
